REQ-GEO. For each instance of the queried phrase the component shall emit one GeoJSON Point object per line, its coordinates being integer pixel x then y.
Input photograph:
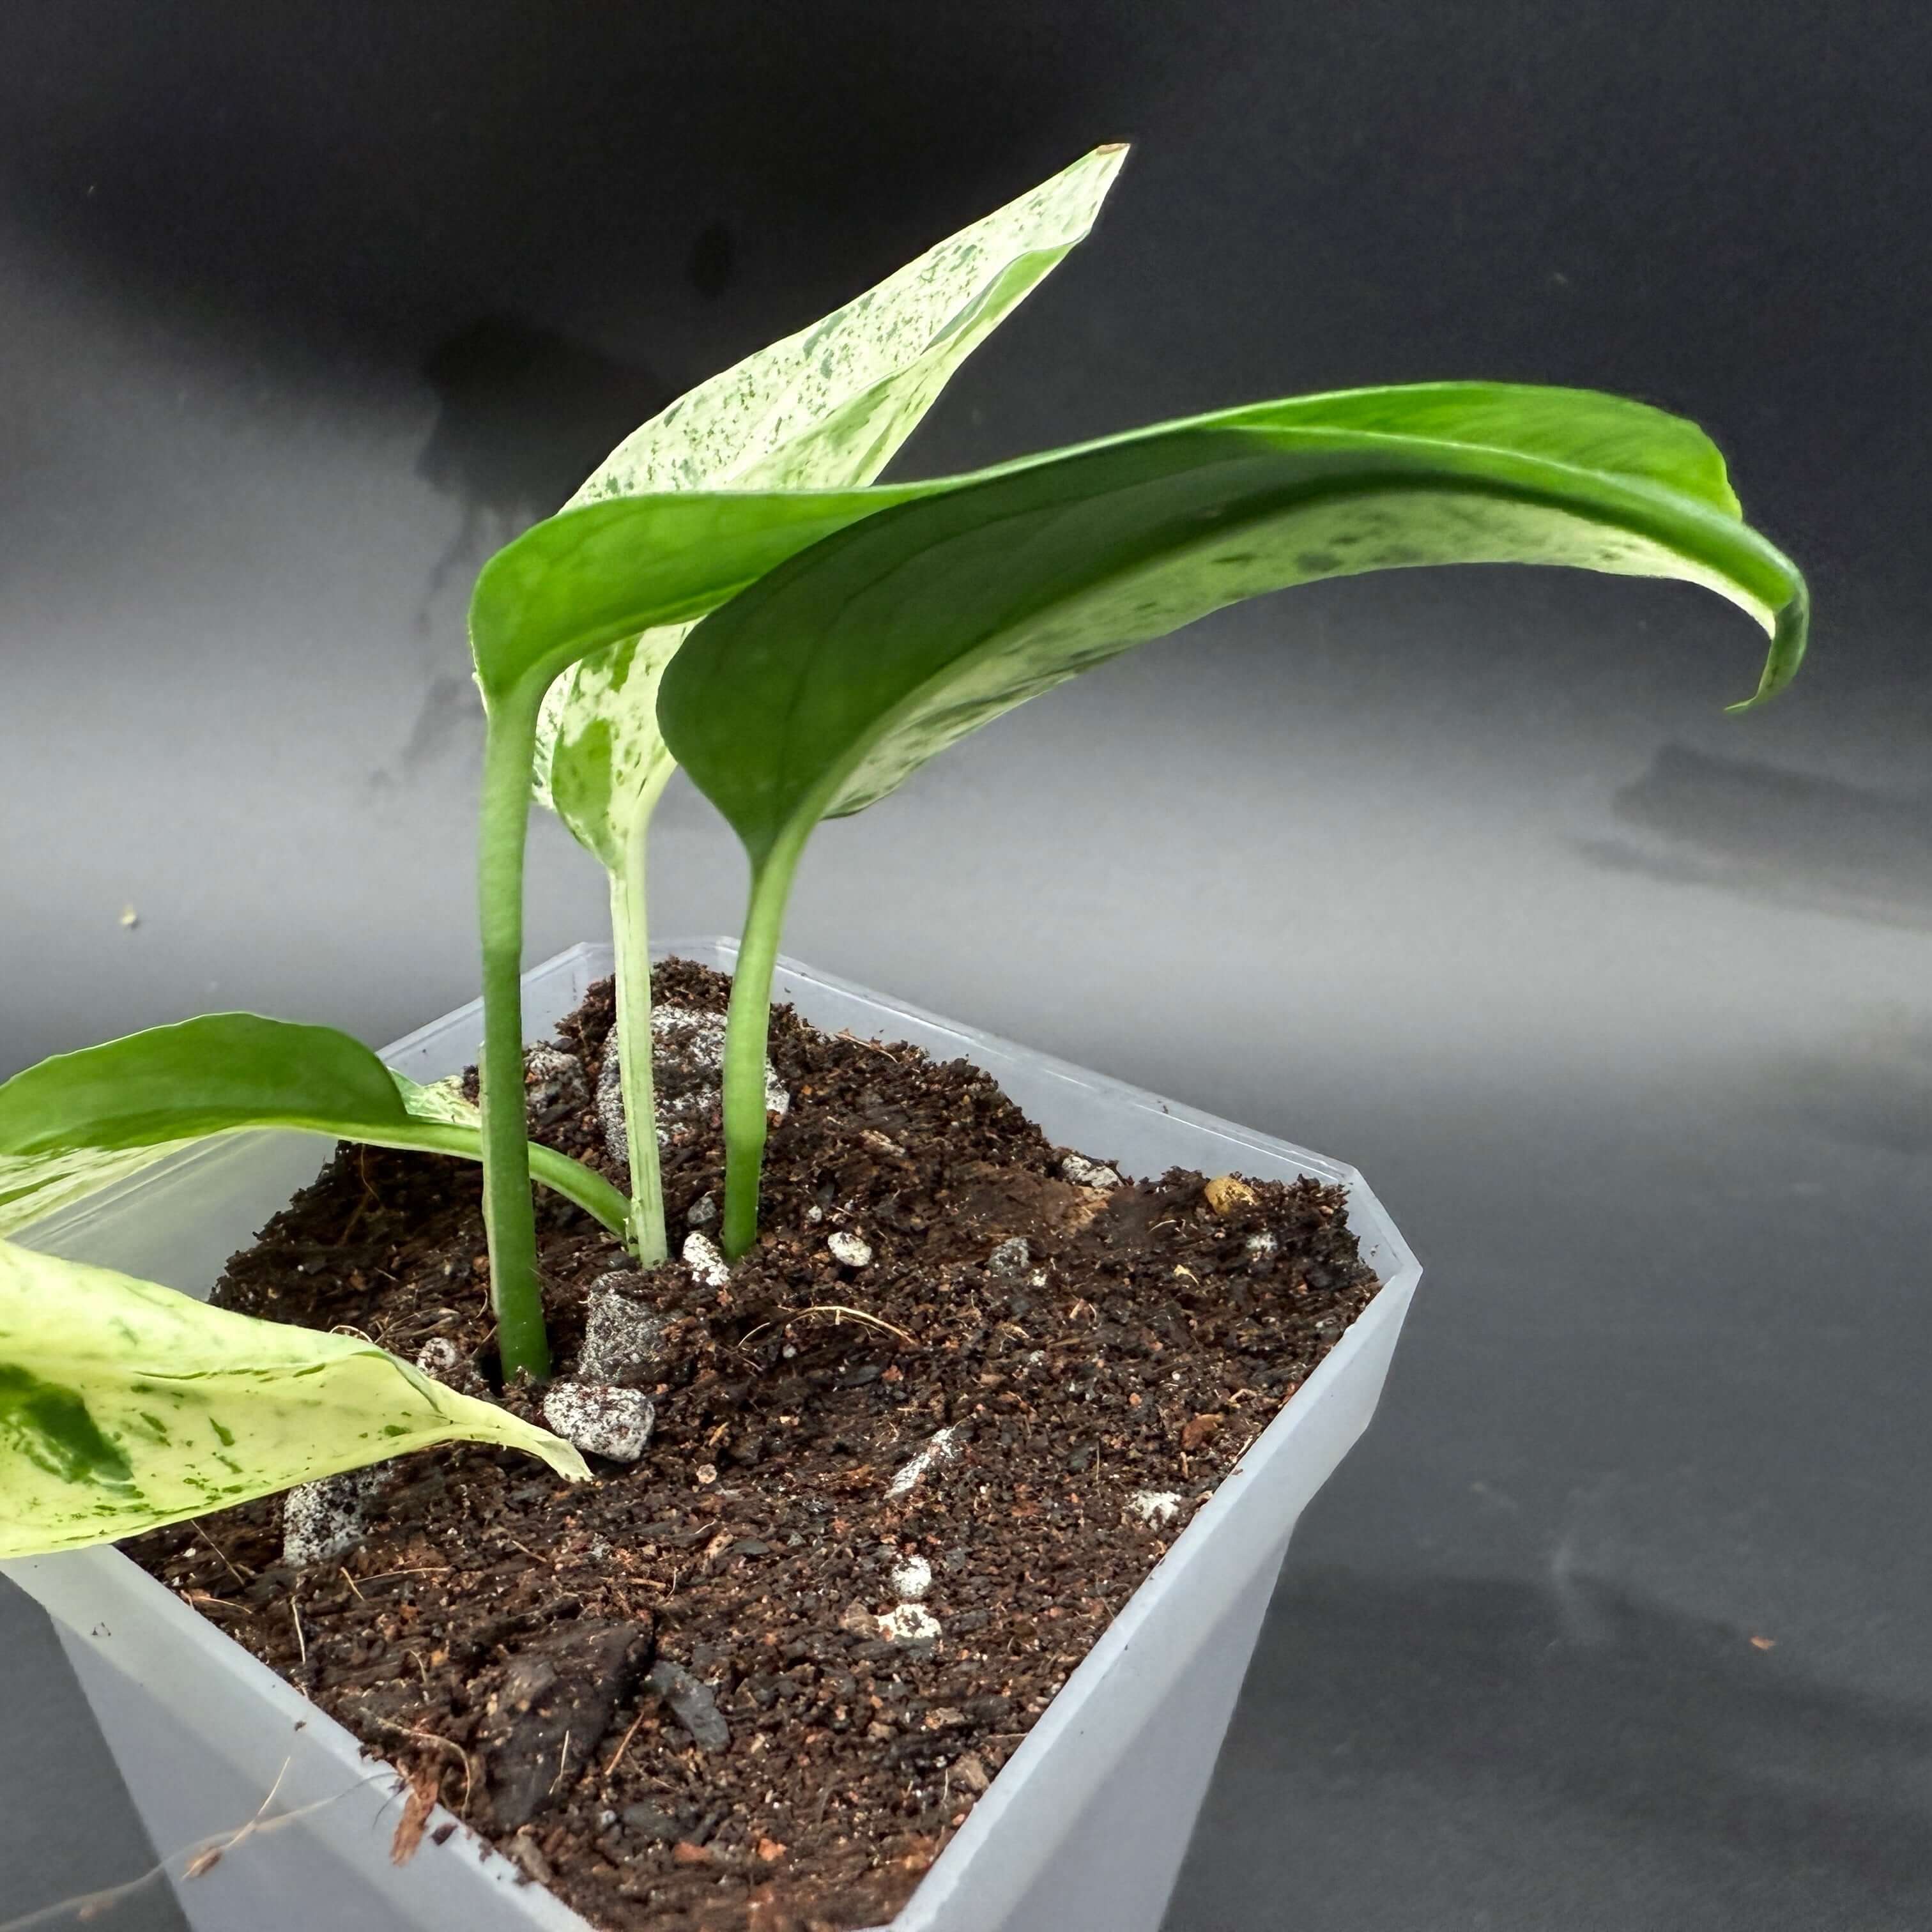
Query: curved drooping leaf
{"type": "Point", "coordinates": [823, 409]}
{"type": "Point", "coordinates": [72, 1124]}
{"type": "Point", "coordinates": [125, 1405]}
{"type": "Point", "coordinates": [823, 685]}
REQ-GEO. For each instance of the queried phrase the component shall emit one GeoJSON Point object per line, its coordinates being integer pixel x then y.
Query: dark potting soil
{"type": "Point", "coordinates": [716, 1688]}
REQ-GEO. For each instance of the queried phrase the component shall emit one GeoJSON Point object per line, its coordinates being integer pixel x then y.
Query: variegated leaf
{"type": "Point", "coordinates": [824, 685]}
{"type": "Point", "coordinates": [821, 688]}
{"type": "Point", "coordinates": [125, 1405]}
{"type": "Point", "coordinates": [823, 409]}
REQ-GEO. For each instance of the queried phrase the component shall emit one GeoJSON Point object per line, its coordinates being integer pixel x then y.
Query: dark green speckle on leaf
{"type": "Point", "coordinates": [52, 1427]}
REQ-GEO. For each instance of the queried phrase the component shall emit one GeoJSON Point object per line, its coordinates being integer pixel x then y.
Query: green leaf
{"type": "Point", "coordinates": [74, 1123]}
{"type": "Point", "coordinates": [125, 1405]}
{"type": "Point", "coordinates": [823, 409]}
{"type": "Point", "coordinates": [589, 577]}
{"type": "Point", "coordinates": [826, 683]}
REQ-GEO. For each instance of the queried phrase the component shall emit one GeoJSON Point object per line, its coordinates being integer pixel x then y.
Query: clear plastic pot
{"type": "Point", "coordinates": [1085, 1829]}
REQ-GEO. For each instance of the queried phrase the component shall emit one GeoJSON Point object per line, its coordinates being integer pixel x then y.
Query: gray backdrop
{"type": "Point", "coordinates": [1465, 878]}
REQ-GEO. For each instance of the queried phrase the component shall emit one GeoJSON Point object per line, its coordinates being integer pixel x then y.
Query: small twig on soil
{"type": "Point", "coordinates": [871, 1045]}
{"type": "Point", "coordinates": [200, 1858]}
{"type": "Point", "coordinates": [425, 1569]}
{"type": "Point", "coordinates": [205, 1861]}
{"type": "Point", "coordinates": [422, 1737]}
{"type": "Point", "coordinates": [349, 1226]}
{"type": "Point", "coordinates": [623, 1744]}
{"type": "Point", "coordinates": [562, 1760]}
{"type": "Point", "coordinates": [220, 1552]}
{"type": "Point", "coordinates": [838, 1310]}
{"type": "Point", "coordinates": [351, 1582]}
{"type": "Point", "coordinates": [302, 1641]}
{"type": "Point", "coordinates": [204, 1601]}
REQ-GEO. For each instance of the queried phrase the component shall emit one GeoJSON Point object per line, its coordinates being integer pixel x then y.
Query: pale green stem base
{"type": "Point", "coordinates": [631, 936]}
{"type": "Point", "coordinates": [515, 1291]}
{"type": "Point", "coordinates": [746, 1029]}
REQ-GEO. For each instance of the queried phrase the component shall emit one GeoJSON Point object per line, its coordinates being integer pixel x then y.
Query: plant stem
{"type": "Point", "coordinates": [631, 935]}
{"type": "Point", "coordinates": [515, 1293]}
{"type": "Point", "coordinates": [557, 1171]}
{"type": "Point", "coordinates": [746, 1028]}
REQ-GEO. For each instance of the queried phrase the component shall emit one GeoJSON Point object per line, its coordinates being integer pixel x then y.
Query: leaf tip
{"type": "Point", "coordinates": [1790, 636]}
{"type": "Point", "coordinates": [563, 1458]}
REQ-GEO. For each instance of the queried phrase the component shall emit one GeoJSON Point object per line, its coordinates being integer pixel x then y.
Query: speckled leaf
{"type": "Point", "coordinates": [74, 1123]}
{"type": "Point", "coordinates": [124, 1405]}
{"type": "Point", "coordinates": [821, 687]}
{"type": "Point", "coordinates": [823, 409]}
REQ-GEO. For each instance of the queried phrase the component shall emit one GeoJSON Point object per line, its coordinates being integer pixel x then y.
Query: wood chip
{"type": "Point", "coordinates": [416, 1808]}
{"type": "Point", "coordinates": [1201, 1430]}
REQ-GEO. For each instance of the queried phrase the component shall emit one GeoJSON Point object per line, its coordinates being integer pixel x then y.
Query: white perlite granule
{"type": "Point", "coordinates": [703, 1256]}
{"type": "Point", "coordinates": [911, 1626]}
{"type": "Point", "coordinates": [912, 1579]}
{"type": "Point", "coordinates": [853, 1251]}
{"type": "Point", "coordinates": [943, 1447]}
{"type": "Point", "coordinates": [323, 1521]}
{"type": "Point", "coordinates": [621, 1334]}
{"type": "Point", "coordinates": [1085, 1173]}
{"type": "Point", "coordinates": [551, 1075]}
{"type": "Point", "coordinates": [687, 1068]}
{"type": "Point", "coordinates": [600, 1420]}
{"type": "Point", "coordinates": [1011, 1257]}
{"type": "Point", "coordinates": [440, 1357]}
{"type": "Point", "coordinates": [1156, 1508]}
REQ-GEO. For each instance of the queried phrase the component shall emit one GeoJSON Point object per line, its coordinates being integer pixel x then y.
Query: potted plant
{"type": "Point", "coordinates": [844, 1616]}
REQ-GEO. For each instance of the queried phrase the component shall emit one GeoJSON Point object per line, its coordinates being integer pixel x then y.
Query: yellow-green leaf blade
{"type": "Point", "coordinates": [125, 1405]}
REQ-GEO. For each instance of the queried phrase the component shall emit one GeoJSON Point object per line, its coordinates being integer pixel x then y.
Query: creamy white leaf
{"type": "Point", "coordinates": [125, 1405]}
{"type": "Point", "coordinates": [826, 407]}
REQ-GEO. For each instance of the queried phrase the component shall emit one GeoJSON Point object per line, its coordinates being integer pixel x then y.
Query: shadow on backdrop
{"type": "Point", "coordinates": [524, 416]}
{"type": "Point", "coordinates": [1618, 1716]}
{"type": "Point", "coordinates": [1768, 833]}
{"type": "Point", "coordinates": [1872, 1088]}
